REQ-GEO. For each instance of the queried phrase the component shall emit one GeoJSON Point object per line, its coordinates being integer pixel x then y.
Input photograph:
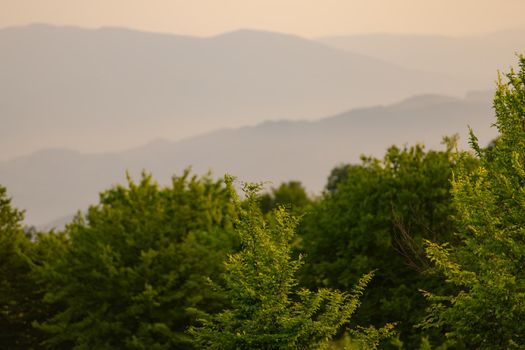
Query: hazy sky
{"type": "Point", "coordinates": [310, 18]}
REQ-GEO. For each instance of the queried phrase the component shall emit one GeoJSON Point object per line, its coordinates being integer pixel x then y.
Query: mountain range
{"type": "Point", "coordinates": [53, 183]}
{"type": "Point", "coordinates": [110, 89]}
{"type": "Point", "coordinates": [474, 57]}
{"type": "Point", "coordinates": [80, 107]}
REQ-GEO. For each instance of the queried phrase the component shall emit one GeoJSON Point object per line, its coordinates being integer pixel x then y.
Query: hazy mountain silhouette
{"type": "Point", "coordinates": [54, 183]}
{"type": "Point", "coordinates": [476, 57]}
{"type": "Point", "coordinates": [111, 88]}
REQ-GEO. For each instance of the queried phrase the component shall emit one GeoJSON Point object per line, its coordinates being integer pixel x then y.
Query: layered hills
{"type": "Point", "coordinates": [51, 183]}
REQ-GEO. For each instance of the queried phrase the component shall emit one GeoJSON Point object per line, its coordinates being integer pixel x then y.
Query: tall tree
{"type": "Point", "coordinates": [374, 216]}
{"type": "Point", "coordinates": [488, 311]}
{"type": "Point", "coordinates": [20, 293]}
{"type": "Point", "coordinates": [137, 262]}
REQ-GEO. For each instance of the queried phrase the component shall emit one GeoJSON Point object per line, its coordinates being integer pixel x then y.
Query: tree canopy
{"type": "Point", "coordinates": [375, 216]}
{"type": "Point", "coordinates": [267, 309]}
{"type": "Point", "coordinates": [17, 293]}
{"type": "Point", "coordinates": [488, 309]}
{"type": "Point", "coordinates": [291, 195]}
{"type": "Point", "coordinates": [137, 262]}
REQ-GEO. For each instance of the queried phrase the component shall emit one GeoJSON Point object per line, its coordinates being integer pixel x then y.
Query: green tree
{"type": "Point", "coordinates": [338, 175]}
{"type": "Point", "coordinates": [267, 309]}
{"type": "Point", "coordinates": [375, 217]}
{"type": "Point", "coordinates": [488, 310]}
{"type": "Point", "coordinates": [291, 195]}
{"type": "Point", "coordinates": [15, 316]}
{"type": "Point", "coordinates": [137, 262]}
{"type": "Point", "coordinates": [20, 292]}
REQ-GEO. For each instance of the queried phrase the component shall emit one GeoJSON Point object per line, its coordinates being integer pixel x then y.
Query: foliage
{"type": "Point", "coordinates": [21, 291]}
{"type": "Point", "coordinates": [135, 264]}
{"type": "Point", "coordinates": [369, 338]}
{"type": "Point", "coordinates": [291, 195]}
{"type": "Point", "coordinates": [19, 300]}
{"type": "Point", "coordinates": [375, 217]}
{"type": "Point", "coordinates": [267, 309]}
{"type": "Point", "coordinates": [488, 311]}
{"type": "Point", "coordinates": [338, 175]}
{"type": "Point", "coordinates": [362, 338]}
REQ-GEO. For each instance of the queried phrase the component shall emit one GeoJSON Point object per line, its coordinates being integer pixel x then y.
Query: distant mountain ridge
{"type": "Point", "coordinates": [112, 88]}
{"type": "Point", "coordinates": [51, 184]}
{"type": "Point", "coordinates": [476, 57]}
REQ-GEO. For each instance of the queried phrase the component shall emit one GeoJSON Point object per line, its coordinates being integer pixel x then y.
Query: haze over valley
{"type": "Point", "coordinates": [47, 183]}
{"type": "Point", "coordinates": [112, 88]}
{"type": "Point", "coordinates": [80, 106]}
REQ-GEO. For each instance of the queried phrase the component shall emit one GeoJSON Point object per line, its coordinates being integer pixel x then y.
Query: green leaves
{"type": "Point", "coordinates": [291, 195]}
{"type": "Point", "coordinates": [20, 294]}
{"type": "Point", "coordinates": [267, 309]}
{"type": "Point", "coordinates": [487, 268]}
{"type": "Point", "coordinates": [376, 216]}
{"type": "Point", "coordinates": [138, 263]}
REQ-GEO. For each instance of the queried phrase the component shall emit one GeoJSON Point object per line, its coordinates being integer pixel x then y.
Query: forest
{"type": "Point", "coordinates": [422, 249]}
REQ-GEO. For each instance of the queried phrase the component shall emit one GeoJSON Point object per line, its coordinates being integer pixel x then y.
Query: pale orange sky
{"type": "Point", "coordinates": [309, 18]}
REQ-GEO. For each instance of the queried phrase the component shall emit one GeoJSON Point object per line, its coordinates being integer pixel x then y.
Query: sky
{"type": "Point", "coordinates": [307, 18]}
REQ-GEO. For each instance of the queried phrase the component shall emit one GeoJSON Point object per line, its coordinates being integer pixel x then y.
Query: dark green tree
{"type": "Point", "coordinates": [291, 195]}
{"type": "Point", "coordinates": [15, 282]}
{"type": "Point", "coordinates": [375, 217]}
{"type": "Point", "coordinates": [268, 310]}
{"type": "Point", "coordinates": [338, 175]}
{"type": "Point", "coordinates": [487, 269]}
{"type": "Point", "coordinates": [137, 263]}
{"type": "Point", "coordinates": [20, 293]}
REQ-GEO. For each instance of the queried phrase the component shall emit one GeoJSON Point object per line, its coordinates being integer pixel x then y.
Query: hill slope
{"type": "Point", "coordinates": [54, 183]}
{"type": "Point", "coordinates": [112, 88]}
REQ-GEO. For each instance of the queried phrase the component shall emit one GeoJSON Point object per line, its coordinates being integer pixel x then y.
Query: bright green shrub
{"type": "Point", "coordinates": [267, 309]}
{"type": "Point", "coordinates": [487, 269]}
